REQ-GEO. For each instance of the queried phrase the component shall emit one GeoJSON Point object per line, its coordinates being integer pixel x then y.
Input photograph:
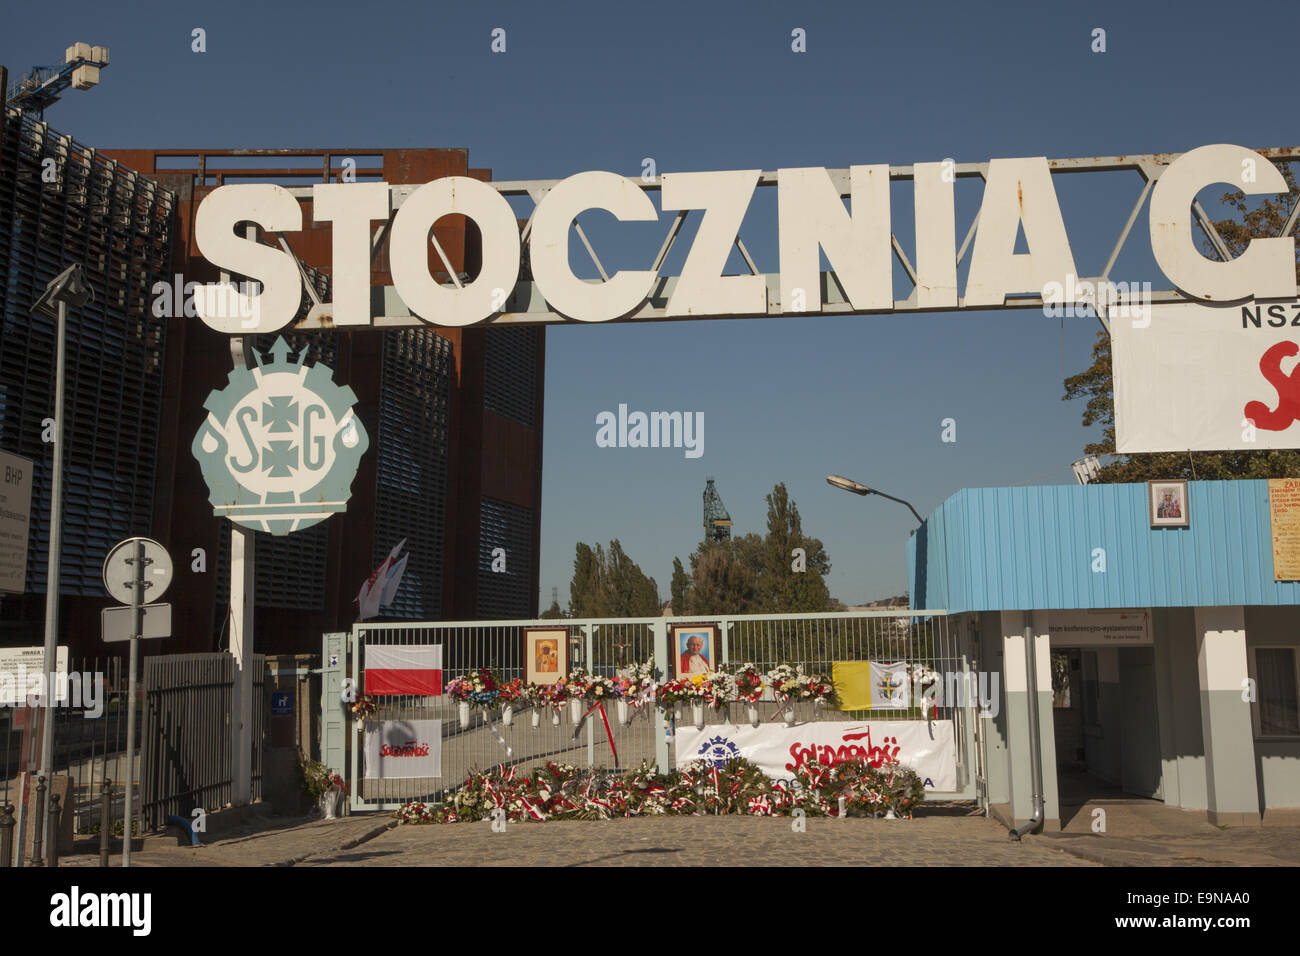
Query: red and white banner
{"type": "Point", "coordinates": [928, 747]}
{"type": "Point", "coordinates": [404, 669]}
{"type": "Point", "coordinates": [397, 749]}
{"type": "Point", "coordinates": [1207, 377]}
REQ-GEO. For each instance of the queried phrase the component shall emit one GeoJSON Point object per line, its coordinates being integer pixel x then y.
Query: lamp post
{"type": "Point", "coordinates": [68, 288]}
{"type": "Point", "coordinates": [857, 488]}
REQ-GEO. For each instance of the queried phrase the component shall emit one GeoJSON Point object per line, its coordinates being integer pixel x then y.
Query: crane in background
{"type": "Point", "coordinates": [42, 86]}
{"type": "Point", "coordinates": [717, 523]}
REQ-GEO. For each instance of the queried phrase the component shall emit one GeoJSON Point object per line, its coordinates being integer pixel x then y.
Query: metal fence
{"type": "Point", "coordinates": [90, 719]}
{"type": "Point", "coordinates": [186, 741]}
{"type": "Point", "coordinates": [815, 641]}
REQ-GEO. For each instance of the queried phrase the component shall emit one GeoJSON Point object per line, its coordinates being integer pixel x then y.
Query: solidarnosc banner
{"type": "Point", "coordinates": [928, 747]}
{"type": "Point", "coordinates": [1207, 378]}
{"type": "Point", "coordinates": [396, 749]}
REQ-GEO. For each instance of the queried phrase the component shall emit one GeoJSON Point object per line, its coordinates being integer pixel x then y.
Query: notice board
{"type": "Point", "coordinates": [1284, 518]}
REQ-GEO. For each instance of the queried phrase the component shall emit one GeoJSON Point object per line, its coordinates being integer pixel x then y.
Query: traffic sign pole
{"type": "Point", "coordinates": [133, 568]}
{"type": "Point", "coordinates": [128, 817]}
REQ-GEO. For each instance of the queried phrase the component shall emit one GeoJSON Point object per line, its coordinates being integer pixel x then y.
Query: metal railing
{"type": "Point", "coordinates": [89, 739]}
{"type": "Point", "coordinates": [186, 742]}
{"type": "Point", "coordinates": [816, 641]}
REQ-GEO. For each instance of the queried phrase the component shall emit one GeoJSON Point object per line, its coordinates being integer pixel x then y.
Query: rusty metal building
{"type": "Point", "coordinates": [455, 417]}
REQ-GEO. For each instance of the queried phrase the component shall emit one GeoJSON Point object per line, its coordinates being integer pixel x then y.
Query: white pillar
{"type": "Point", "coordinates": [1231, 783]}
{"type": "Point", "coordinates": [241, 649]}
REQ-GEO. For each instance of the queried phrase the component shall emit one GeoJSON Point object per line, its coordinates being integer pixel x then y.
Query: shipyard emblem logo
{"type": "Point", "coordinates": [280, 445]}
{"type": "Point", "coordinates": [717, 751]}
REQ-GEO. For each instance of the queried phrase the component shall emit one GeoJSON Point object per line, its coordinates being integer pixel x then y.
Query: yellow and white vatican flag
{"type": "Point", "coordinates": [890, 685]}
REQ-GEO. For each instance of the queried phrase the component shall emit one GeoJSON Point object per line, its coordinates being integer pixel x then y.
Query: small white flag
{"type": "Point", "coordinates": [394, 579]}
{"type": "Point", "coordinates": [380, 588]}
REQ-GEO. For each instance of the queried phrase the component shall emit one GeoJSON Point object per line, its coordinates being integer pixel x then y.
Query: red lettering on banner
{"type": "Point", "coordinates": [1288, 390]}
{"type": "Point", "coordinates": [828, 755]}
{"type": "Point", "coordinates": [410, 749]}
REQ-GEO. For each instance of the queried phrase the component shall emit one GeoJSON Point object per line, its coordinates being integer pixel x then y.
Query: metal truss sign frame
{"type": "Point", "coordinates": [858, 241]}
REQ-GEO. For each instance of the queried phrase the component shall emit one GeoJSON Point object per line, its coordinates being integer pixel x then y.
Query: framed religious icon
{"type": "Point", "coordinates": [694, 648]}
{"type": "Point", "coordinates": [1168, 504]}
{"type": "Point", "coordinates": [546, 654]}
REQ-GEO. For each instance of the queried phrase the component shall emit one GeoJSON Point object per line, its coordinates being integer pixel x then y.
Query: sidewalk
{"type": "Point", "coordinates": [1142, 832]}
{"type": "Point", "coordinates": [263, 841]}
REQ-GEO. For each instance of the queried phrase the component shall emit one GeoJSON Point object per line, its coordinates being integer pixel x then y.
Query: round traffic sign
{"type": "Point", "coordinates": [127, 559]}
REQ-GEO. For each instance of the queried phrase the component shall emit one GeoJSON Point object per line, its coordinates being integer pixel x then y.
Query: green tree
{"type": "Point", "coordinates": [584, 588]}
{"type": "Point", "coordinates": [785, 588]}
{"type": "Point", "coordinates": [681, 583]}
{"type": "Point", "coordinates": [755, 575]}
{"type": "Point", "coordinates": [1094, 384]}
{"type": "Point", "coordinates": [721, 583]}
{"type": "Point", "coordinates": [610, 584]}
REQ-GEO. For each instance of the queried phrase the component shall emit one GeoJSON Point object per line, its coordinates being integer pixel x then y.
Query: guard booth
{"type": "Point", "coordinates": [1167, 658]}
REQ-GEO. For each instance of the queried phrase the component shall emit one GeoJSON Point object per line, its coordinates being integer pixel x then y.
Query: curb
{"type": "Point", "coordinates": [368, 835]}
{"type": "Point", "coordinates": [1089, 855]}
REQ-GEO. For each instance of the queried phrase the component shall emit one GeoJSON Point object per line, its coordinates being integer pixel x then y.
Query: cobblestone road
{"type": "Point", "coordinates": [945, 836]}
{"type": "Point", "coordinates": [717, 841]}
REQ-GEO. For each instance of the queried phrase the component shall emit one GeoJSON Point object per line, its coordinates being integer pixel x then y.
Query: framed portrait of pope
{"type": "Point", "coordinates": [695, 648]}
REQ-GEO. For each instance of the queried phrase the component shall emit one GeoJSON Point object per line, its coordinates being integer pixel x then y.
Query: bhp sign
{"type": "Point", "coordinates": [812, 219]}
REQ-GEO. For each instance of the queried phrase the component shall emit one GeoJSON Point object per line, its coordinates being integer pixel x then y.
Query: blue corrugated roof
{"type": "Point", "coordinates": [988, 549]}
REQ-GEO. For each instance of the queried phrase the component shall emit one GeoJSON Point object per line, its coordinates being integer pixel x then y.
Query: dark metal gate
{"type": "Point", "coordinates": [185, 746]}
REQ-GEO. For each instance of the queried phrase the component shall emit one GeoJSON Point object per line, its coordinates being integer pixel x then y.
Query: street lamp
{"type": "Point", "coordinates": [68, 288]}
{"type": "Point", "coordinates": [857, 488]}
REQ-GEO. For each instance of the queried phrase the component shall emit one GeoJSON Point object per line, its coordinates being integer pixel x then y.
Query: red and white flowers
{"type": "Point", "coordinates": [562, 791]}
{"type": "Point", "coordinates": [362, 708]}
{"type": "Point", "coordinates": [748, 683]}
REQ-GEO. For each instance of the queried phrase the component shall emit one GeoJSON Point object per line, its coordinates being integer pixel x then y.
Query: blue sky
{"type": "Point", "coordinates": [702, 86]}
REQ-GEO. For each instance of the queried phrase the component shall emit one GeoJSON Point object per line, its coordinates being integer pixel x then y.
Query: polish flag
{"type": "Point", "coordinates": [404, 669]}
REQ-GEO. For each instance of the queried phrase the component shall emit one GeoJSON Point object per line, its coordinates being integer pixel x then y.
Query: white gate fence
{"type": "Point", "coordinates": [815, 641]}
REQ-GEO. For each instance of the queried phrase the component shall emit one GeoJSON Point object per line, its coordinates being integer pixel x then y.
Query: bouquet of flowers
{"type": "Point", "coordinates": [575, 685]}
{"type": "Point", "coordinates": [748, 683]}
{"type": "Point", "coordinates": [314, 777]}
{"type": "Point", "coordinates": [786, 681]}
{"type": "Point", "coordinates": [647, 790]}
{"type": "Point", "coordinates": [821, 689]}
{"type": "Point", "coordinates": [597, 688]}
{"type": "Point", "coordinates": [637, 683]}
{"type": "Point", "coordinates": [513, 692]}
{"type": "Point", "coordinates": [923, 678]}
{"type": "Point", "coordinates": [719, 689]}
{"type": "Point", "coordinates": [791, 683]}
{"type": "Point", "coordinates": [362, 708]}
{"type": "Point", "coordinates": [416, 812]}
{"type": "Point", "coordinates": [877, 791]}
{"type": "Point", "coordinates": [696, 689]}
{"type": "Point", "coordinates": [546, 695]}
{"type": "Point", "coordinates": [674, 692]}
{"type": "Point", "coordinates": [737, 786]}
{"type": "Point", "coordinates": [480, 688]}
